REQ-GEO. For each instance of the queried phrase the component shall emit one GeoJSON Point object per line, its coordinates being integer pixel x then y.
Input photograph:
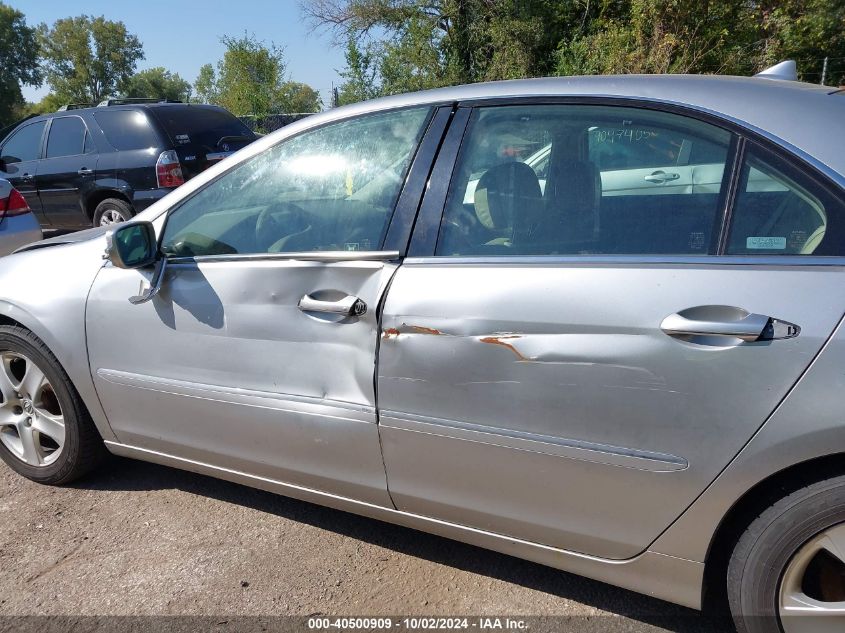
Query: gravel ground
{"type": "Point", "coordinates": [141, 539]}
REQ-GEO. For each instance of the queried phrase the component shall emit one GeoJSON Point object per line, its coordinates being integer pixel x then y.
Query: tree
{"type": "Point", "coordinates": [157, 83]}
{"type": "Point", "coordinates": [250, 80]}
{"type": "Point", "coordinates": [87, 58]}
{"type": "Point", "coordinates": [206, 84]}
{"type": "Point", "coordinates": [18, 62]}
{"type": "Point", "coordinates": [250, 76]}
{"type": "Point", "coordinates": [359, 74]}
{"type": "Point", "coordinates": [805, 30]}
{"type": "Point", "coordinates": [298, 97]}
{"type": "Point", "coordinates": [428, 43]}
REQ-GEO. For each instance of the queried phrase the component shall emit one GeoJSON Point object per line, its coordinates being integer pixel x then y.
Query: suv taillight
{"type": "Point", "coordinates": [15, 204]}
{"type": "Point", "coordinates": [169, 170]}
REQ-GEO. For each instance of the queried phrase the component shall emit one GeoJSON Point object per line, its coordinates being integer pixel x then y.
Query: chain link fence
{"type": "Point", "coordinates": [271, 122]}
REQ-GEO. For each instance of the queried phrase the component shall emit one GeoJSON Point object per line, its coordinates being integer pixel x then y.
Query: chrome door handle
{"type": "Point", "coordinates": [658, 177]}
{"type": "Point", "coordinates": [84, 171]}
{"type": "Point", "coordinates": [27, 177]}
{"type": "Point", "coordinates": [749, 328]}
{"type": "Point", "coordinates": [348, 306]}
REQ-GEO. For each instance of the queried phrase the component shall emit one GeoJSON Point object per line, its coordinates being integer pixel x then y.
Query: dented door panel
{"type": "Point", "coordinates": [541, 400]}
{"type": "Point", "coordinates": [223, 367]}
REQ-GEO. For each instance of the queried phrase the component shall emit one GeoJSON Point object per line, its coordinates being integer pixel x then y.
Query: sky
{"type": "Point", "coordinates": [182, 35]}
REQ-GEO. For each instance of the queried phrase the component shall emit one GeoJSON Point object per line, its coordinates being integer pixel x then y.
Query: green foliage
{"type": "Point", "coordinates": [806, 30]}
{"type": "Point", "coordinates": [250, 80]}
{"type": "Point", "coordinates": [206, 84]}
{"type": "Point", "coordinates": [415, 44]}
{"type": "Point", "coordinates": [729, 37]}
{"type": "Point", "coordinates": [414, 60]}
{"type": "Point", "coordinates": [359, 75]}
{"type": "Point", "coordinates": [87, 58]}
{"type": "Point", "coordinates": [157, 83]}
{"type": "Point", "coordinates": [249, 76]}
{"type": "Point", "coordinates": [296, 97]}
{"type": "Point", "coordinates": [18, 62]}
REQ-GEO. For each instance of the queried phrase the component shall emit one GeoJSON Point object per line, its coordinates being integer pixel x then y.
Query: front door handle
{"type": "Point", "coordinates": [348, 306]}
{"type": "Point", "coordinates": [84, 171]}
{"type": "Point", "coordinates": [27, 177]}
{"type": "Point", "coordinates": [660, 176]}
{"type": "Point", "coordinates": [753, 327]}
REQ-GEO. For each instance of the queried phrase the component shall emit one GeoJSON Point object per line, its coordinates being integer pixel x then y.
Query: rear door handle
{"type": "Point", "coordinates": [659, 176]}
{"type": "Point", "coordinates": [754, 327]}
{"type": "Point", "coordinates": [27, 177]}
{"type": "Point", "coordinates": [348, 306]}
{"type": "Point", "coordinates": [84, 171]}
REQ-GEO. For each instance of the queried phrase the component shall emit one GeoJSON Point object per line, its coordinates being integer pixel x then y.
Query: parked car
{"type": "Point", "coordinates": [18, 227]}
{"type": "Point", "coordinates": [643, 389]}
{"type": "Point", "coordinates": [82, 166]}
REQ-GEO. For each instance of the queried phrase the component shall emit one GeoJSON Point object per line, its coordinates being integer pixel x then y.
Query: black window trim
{"type": "Point", "coordinates": [741, 135]}
{"type": "Point", "coordinates": [46, 137]}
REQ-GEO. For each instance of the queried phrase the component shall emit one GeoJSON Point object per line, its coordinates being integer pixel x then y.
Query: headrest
{"type": "Point", "coordinates": [503, 192]}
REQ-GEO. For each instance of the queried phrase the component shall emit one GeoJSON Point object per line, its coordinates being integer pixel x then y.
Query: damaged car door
{"type": "Point", "coordinates": [571, 366]}
{"type": "Point", "coordinates": [257, 353]}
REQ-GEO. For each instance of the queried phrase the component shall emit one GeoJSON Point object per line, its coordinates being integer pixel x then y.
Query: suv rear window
{"type": "Point", "coordinates": [127, 129]}
{"type": "Point", "coordinates": [206, 128]}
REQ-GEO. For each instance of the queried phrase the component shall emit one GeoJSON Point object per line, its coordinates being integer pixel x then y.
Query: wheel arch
{"type": "Point", "coordinates": [749, 506]}
{"type": "Point", "coordinates": [98, 196]}
{"type": "Point", "coordinates": [12, 314]}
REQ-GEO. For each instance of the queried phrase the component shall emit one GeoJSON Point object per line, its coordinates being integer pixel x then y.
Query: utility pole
{"type": "Point", "coordinates": [824, 70]}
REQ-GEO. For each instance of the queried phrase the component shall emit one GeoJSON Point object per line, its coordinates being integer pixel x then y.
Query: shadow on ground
{"type": "Point", "coordinates": [128, 475]}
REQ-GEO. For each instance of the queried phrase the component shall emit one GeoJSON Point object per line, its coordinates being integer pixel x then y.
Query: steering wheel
{"type": "Point", "coordinates": [277, 221]}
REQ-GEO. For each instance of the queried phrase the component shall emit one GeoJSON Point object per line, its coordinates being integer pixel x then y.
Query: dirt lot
{"type": "Point", "coordinates": [139, 539]}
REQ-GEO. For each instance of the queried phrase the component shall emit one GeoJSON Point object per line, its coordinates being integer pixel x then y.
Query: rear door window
{"type": "Point", "coordinates": [209, 129]}
{"type": "Point", "coordinates": [66, 137]}
{"type": "Point", "coordinates": [24, 145]}
{"type": "Point", "coordinates": [127, 129]}
{"type": "Point", "coordinates": [781, 210]}
{"type": "Point", "coordinates": [571, 180]}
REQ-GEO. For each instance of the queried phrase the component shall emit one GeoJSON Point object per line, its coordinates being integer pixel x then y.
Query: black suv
{"type": "Point", "coordinates": [99, 165]}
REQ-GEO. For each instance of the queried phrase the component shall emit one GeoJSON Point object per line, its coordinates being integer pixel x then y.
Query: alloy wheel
{"type": "Point", "coordinates": [111, 216]}
{"type": "Point", "coordinates": [812, 590]}
{"type": "Point", "coordinates": [32, 425]}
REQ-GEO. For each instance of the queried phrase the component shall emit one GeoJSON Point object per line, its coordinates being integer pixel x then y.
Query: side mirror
{"type": "Point", "coordinates": [132, 245]}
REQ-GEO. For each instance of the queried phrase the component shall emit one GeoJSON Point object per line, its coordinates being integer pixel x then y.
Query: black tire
{"type": "Point", "coordinates": [112, 206]}
{"type": "Point", "coordinates": [764, 550]}
{"type": "Point", "coordinates": [83, 447]}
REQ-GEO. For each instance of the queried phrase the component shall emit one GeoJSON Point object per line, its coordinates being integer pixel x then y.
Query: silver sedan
{"type": "Point", "coordinates": [591, 322]}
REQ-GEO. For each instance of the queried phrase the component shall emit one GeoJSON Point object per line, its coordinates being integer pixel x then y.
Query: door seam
{"type": "Point", "coordinates": [379, 323]}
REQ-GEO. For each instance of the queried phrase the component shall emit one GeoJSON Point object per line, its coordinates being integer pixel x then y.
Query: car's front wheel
{"type": "Point", "coordinates": [111, 211]}
{"type": "Point", "coordinates": [46, 434]}
{"type": "Point", "coordinates": [787, 571]}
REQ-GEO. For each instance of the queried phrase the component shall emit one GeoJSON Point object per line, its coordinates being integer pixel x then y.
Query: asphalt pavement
{"type": "Point", "coordinates": [138, 539]}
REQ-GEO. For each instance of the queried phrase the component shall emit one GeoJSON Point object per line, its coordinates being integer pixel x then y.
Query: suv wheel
{"type": "Point", "coordinates": [46, 434]}
{"type": "Point", "coordinates": [112, 211]}
{"type": "Point", "coordinates": [787, 571]}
